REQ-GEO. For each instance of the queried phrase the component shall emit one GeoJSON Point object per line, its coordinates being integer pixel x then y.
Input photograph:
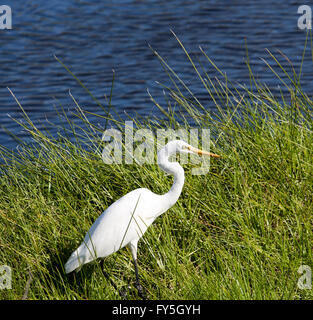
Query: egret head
{"type": "Point", "coordinates": [174, 147]}
{"type": "Point", "coordinates": [180, 146]}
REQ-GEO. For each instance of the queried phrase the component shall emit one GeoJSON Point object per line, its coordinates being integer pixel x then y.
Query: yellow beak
{"type": "Point", "coordinates": [201, 152]}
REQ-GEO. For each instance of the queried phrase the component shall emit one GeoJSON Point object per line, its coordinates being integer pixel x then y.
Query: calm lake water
{"type": "Point", "coordinates": [94, 37]}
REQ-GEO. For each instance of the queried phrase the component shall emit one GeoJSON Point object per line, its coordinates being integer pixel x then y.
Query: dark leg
{"type": "Point", "coordinates": [133, 248]}
{"type": "Point", "coordinates": [121, 293]}
{"type": "Point", "coordinates": [138, 285]}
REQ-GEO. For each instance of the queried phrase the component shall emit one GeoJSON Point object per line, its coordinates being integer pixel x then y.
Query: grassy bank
{"type": "Point", "coordinates": [239, 232]}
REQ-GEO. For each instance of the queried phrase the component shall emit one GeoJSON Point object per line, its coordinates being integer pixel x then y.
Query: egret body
{"type": "Point", "coordinates": [125, 221]}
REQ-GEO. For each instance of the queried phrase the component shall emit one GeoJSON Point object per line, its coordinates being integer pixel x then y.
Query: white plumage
{"type": "Point", "coordinates": [125, 221]}
{"type": "Point", "coordinates": [122, 223]}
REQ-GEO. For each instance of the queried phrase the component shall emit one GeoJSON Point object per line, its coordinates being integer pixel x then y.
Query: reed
{"type": "Point", "coordinates": [239, 232]}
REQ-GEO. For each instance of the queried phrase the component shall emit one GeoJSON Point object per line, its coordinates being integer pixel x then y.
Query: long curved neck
{"type": "Point", "coordinates": [175, 169]}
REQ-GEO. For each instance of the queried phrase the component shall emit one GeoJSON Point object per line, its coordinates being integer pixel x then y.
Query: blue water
{"type": "Point", "coordinates": [95, 37]}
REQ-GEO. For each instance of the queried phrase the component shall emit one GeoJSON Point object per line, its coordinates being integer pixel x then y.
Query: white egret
{"type": "Point", "coordinates": [125, 221]}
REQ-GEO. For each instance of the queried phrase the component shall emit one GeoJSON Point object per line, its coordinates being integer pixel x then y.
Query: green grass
{"type": "Point", "coordinates": [239, 232]}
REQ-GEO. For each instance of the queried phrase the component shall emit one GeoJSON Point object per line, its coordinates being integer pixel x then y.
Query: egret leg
{"type": "Point", "coordinates": [138, 285]}
{"type": "Point", "coordinates": [133, 249]}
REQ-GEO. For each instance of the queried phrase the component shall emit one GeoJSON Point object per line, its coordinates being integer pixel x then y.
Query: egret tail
{"type": "Point", "coordinates": [75, 261]}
